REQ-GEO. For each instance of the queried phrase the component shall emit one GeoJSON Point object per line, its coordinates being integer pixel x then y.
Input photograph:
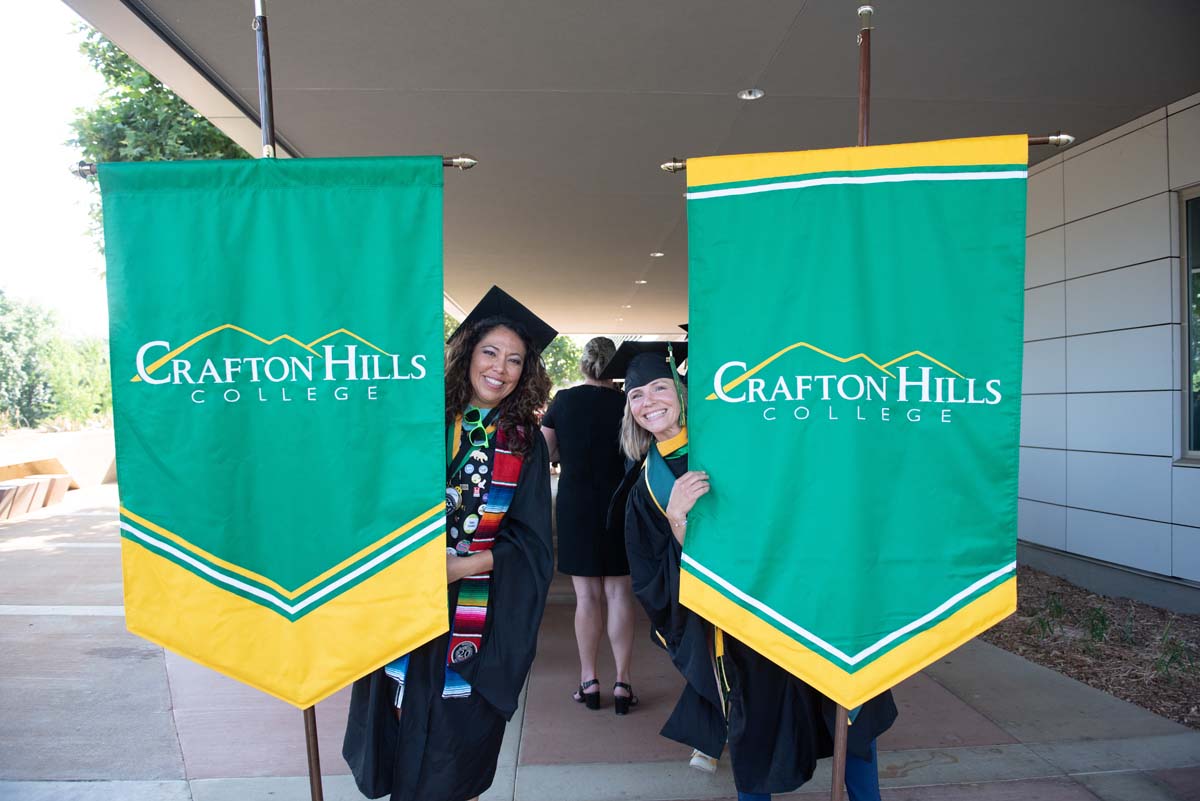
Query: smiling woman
{"type": "Point", "coordinates": [776, 726]}
{"type": "Point", "coordinates": [493, 364]}
{"type": "Point", "coordinates": [655, 407]}
{"type": "Point", "coordinates": [429, 724]}
{"type": "Point", "coordinates": [496, 366]}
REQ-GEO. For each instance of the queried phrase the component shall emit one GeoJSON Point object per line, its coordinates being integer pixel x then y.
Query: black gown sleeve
{"type": "Point", "coordinates": [372, 731]}
{"type": "Point", "coordinates": [657, 555]}
{"type": "Point", "coordinates": [521, 571]}
{"type": "Point", "coordinates": [698, 719]}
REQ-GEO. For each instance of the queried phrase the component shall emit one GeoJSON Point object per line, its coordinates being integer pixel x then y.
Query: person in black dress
{"type": "Point", "coordinates": [581, 429]}
{"type": "Point", "coordinates": [428, 726]}
{"type": "Point", "coordinates": [776, 726]}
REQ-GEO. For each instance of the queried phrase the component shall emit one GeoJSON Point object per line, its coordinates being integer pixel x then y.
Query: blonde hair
{"type": "Point", "coordinates": [635, 440]}
{"type": "Point", "coordinates": [597, 353]}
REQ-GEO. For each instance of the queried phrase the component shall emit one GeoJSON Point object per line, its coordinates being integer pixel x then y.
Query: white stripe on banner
{"type": "Point", "coordinates": [266, 596]}
{"type": "Point", "coordinates": [863, 179]}
{"type": "Point", "coordinates": [863, 654]}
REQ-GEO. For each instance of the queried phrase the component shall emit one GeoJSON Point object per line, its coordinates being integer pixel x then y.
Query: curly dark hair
{"type": "Point", "coordinates": [518, 412]}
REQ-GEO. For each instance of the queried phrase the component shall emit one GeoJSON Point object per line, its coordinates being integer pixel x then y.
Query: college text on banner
{"type": "Point", "coordinates": [856, 332]}
{"type": "Point", "coordinates": [276, 348]}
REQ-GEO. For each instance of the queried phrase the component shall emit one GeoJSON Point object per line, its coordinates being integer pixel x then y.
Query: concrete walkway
{"type": "Point", "coordinates": [88, 712]}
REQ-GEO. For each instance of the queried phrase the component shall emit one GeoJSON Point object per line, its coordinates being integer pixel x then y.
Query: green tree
{"type": "Point", "coordinates": [79, 380]}
{"type": "Point", "coordinates": [139, 119]}
{"type": "Point", "coordinates": [44, 376]}
{"type": "Point", "coordinates": [26, 332]}
{"type": "Point", "coordinates": [562, 362]}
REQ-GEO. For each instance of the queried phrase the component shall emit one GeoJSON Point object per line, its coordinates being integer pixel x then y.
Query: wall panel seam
{"type": "Point", "coordinates": [1105, 211]}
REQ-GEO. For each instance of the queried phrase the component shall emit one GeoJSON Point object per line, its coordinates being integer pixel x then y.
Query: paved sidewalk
{"type": "Point", "coordinates": [88, 712]}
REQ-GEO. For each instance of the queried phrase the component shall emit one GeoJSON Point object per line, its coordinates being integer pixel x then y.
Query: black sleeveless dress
{"type": "Point", "coordinates": [587, 422]}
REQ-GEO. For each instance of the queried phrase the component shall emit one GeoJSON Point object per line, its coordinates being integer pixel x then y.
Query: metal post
{"type": "Point", "coordinates": [1059, 139]}
{"type": "Point", "coordinates": [864, 73]}
{"type": "Point", "coordinates": [463, 161]}
{"type": "Point", "coordinates": [314, 754]}
{"type": "Point", "coordinates": [266, 107]}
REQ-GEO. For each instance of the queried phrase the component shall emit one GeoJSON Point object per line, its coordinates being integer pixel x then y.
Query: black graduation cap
{"type": "Point", "coordinates": [640, 362]}
{"type": "Point", "coordinates": [498, 303]}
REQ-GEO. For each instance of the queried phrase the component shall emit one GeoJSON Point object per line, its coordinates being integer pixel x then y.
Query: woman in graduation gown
{"type": "Point", "coordinates": [776, 726]}
{"type": "Point", "coordinates": [428, 726]}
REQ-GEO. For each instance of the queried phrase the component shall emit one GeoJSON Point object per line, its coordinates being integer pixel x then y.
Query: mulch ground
{"type": "Point", "coordinates": [1140, 653]}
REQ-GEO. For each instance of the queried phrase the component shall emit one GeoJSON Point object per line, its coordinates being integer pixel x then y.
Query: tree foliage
{"type": "Point", "coordinates": [562, 362]}
{"type": "Point", "coordinates": [80, 385]}
{"type": "Point", "coordinates": [25, 335]}
{"type": "Point", "coordinates": [44, 376]}
{"type": "Point", "coordinates": [139, 119]}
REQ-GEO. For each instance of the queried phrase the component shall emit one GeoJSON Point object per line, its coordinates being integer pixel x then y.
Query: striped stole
{"type": "Point", "coordinates": [474, 592]}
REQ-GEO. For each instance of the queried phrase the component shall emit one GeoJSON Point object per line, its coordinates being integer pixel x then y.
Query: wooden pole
{"type": "Point", "coordinates": [266, 120]}
{"type": "Point", "coordinates": [841, 728]}
{"type": "Point", "coordinates": [864, 73]}
{"type": "Point", "coordinates": [314, 754]}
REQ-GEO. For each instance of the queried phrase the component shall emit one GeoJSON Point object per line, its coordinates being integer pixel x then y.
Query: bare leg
{"type": "Point", "coordinates": [589, 622]}
{"type": "Point", "coordinates": [619, 594]}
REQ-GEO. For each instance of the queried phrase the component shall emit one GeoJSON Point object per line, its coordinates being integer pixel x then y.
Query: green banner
{"type": "Point", "coordinates": [855, 380]}
{"type": "Point", "coordinates": [276, 335]}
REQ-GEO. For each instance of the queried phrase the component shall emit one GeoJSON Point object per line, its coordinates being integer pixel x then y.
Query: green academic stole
{"type": "Point", "coordinates": [657, 473]}
{"type": "Point", "coordinates": [660, 480]}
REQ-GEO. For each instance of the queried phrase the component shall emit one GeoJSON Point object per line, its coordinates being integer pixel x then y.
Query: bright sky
{"type": "Point", "coordinates": [46, 254]}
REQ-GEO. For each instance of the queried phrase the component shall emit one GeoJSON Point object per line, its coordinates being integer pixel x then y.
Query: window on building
{"type": "Point", "coordinates": [1191, 393]}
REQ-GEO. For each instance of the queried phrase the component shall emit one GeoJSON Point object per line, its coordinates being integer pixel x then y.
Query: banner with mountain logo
{"type": "Point", "coordinates": [855, 378]}
{"type": "Point", "coordinates": [276, 345]}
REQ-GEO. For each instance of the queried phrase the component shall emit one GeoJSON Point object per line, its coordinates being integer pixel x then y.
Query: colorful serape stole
{"type": "Point", "coordinates": [470, 613]}
{"type": "Point", "coordinates": [396, 670]}
{"type": "Point", "coordinates": [466, 630]}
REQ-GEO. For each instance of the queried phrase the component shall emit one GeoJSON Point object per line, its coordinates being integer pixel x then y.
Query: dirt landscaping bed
{"type": "Point", "coordinates": [1140, 653]}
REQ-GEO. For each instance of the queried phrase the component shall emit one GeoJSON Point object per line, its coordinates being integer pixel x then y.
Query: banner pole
{"type": "Point", "coordinates": [864, 73]}
{"type": "Point", "coordinates": [841, 726]}
{"type": "Point", "coordinates": [266, 105]}
{"type": "Point", "coordinates": [266, 116]}
{"type": "Point", "coordinates": [841, 730]}
{"type": "Point", "coordinates": [314, 754]}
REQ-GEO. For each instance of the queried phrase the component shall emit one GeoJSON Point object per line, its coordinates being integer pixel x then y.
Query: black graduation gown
{"type": "Point", "coordinates": [446, 749]}
{"type": "Point", "coordinates": [778, 726]}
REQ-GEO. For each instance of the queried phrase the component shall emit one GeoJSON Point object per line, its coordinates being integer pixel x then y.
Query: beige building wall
{"type": "Point", "coordinates": [1102, 412]}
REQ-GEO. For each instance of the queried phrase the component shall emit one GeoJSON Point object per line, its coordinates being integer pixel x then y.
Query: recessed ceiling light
{"type": "Point", "coordinates": [658, 254]}
{"type": "Point", "coordinates": [619, 319]}
{"type": "Point", "coordinates": [641, 281]}
{"type": "Point", "coordinates": [627, 306]}
{"type": "Point", "coordinates": [750, 94]}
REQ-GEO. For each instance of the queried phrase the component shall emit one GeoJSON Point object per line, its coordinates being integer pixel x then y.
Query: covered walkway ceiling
{"type": "Point", "coordinates": [570, 105]}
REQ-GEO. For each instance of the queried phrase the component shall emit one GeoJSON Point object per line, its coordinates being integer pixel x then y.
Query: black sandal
{"type": "Point", "coordinates": [591, 699]}
{"type": "Point", "coordinates": [622, 703]}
